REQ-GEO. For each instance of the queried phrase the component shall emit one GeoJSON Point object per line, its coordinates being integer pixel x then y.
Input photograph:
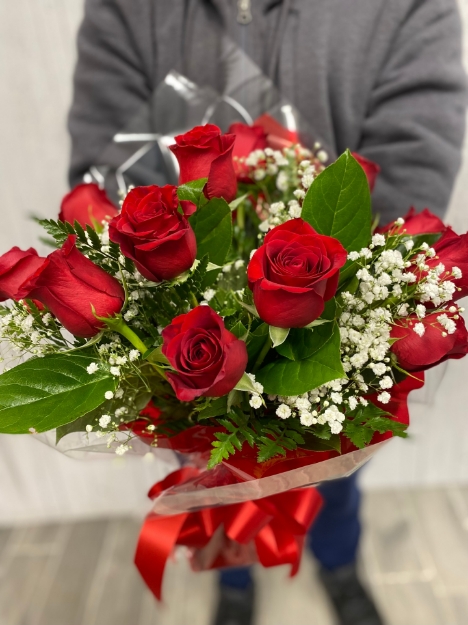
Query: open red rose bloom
{"type": "Point", "coordinates": [294, 273]}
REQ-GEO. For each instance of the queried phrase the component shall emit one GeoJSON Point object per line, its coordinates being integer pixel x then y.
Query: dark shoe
{"type": "Point", "coordinates": [352, 604]}
{"type": "Point", "coordinates": [235, 606]}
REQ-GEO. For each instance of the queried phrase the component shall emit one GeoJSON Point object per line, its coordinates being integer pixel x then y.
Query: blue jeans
{"type": "Point", "coordinates": [334, 536]}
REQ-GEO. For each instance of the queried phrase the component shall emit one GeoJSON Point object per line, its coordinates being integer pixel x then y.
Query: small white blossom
{"type": "Point", "coordinates": [92, 368]}
{"type": "Point", "coordinates": [299, 194]}
{"type": "Point", "coordinates": [89, 428]}
{"type": "Point", "coordinates": [133, 355]}
{"type": "Point", "coordinates": [421, 311]}
{"type": "Point", "coordinates": [276, 208]}
{"type": "Point", "coordinates": [307, 180]}
{"type": "Point", "coordinates": [384, 397]}
{"type": "Point", "coordinates": [119, 393]}
{"type": "Point", "coordinates": [386, 382]}
{"type": "Point", "coordinates": [307, 418]}
{"type": "Point", "coordinates": [353, 256]}
{"type": "Point", "coordinates": [400, 221]}
{"type": "Point", "coordinates": [378, 240]}
{"type": "Point", "coordinates": [378, 368]}
{"type": "Point", "coordinates": [302, 403]}
{"type": "Point", "coordinates": [46, 319]}
{"type": "Point", "coordinates": [352, 401]}
{"type": "Point", "coordinates": [447, 323]}
{"type": "Point", "coordinates": [104, 421]}
{"type": "Point", "coordinates": [255, 401]}
{"type": "Point", "coordinates": [109, 395]}
{"type": "Point", "coordinates": [121, 450]}
{"type": "Point", "coordinates": [457, 273]}
{"type": "Point", "coordinates": [115, 371]}
{"type": "Point", "coordinates": [283, 411]}
{"type": "Point", "coordinates": [336, 398]}
{"type": "Point", "coordinates": [420, 329]}
{"type": "Point", "coordinates": [409, 244]}
{"type": "Point", "coordinates": [295, 209]}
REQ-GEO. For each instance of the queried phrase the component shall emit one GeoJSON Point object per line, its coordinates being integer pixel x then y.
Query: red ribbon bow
{"type": "Point", "coordinates": [276, 526]}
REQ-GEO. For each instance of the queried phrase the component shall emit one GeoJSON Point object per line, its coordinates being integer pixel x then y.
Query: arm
{"type": "Point", "coordinates": [112, 81]}
{"type": "Point", "coordinates": [416, 117]}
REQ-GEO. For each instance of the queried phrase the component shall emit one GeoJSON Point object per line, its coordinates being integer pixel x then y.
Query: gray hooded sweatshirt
{"type": "Point", "coordinates": [381, 77]}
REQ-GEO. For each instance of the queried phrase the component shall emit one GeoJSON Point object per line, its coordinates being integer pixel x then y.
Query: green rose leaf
{"type": "Point", "coordinates": [45, 393]}
{"type": "Point", "coordinates": [303, 343]}
{"type": "Point", "coordinates": [338, 203]}
{"type": "Point", "coordinates": [192, 191]}
{"type": "Point", "coordinates": [294, 377]}
{"type": "Point", "coordinates": [212, 224]}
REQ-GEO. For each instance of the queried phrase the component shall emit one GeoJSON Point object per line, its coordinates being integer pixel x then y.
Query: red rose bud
{"type": "Point", "coordinates": [452, 252]}
{"type": "Point", "coordinates": [424, 343]}
{"type": "Point", "coordinates": [88, 205]}
{"type": "Point", "coordinates": [294, 273]}
{"type": "Point", "coordinates": [70, 285]}
{"type": "Point", "coordinates": [424, 222]}
{"type": "Point", "coordinates": [152, 232]}
{"type": "Point", "coordinates": [371, 169]}
{"type": "Point", "coordinates": [204, 152]}
{"type": "Point", "coordinates": [209, 359]}
{"type": "Point", "coordinates": [16, 267]}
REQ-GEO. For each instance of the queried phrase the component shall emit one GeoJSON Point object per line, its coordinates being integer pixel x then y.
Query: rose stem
{"type": "Point", "coordinates": [263, 353]}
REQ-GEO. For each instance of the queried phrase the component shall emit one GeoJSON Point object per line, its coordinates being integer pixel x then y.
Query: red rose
{"type": "Point", "coordinates": [417, 353]}
{"type": "Point", "coordinates": [16, 266]}
{"type": "Point", "coordinates": [209, 359]}
{"type": "Point", "coordinates": [248, 139]}
{"type": "Point", "coordinates": [294, 273]}
{"type": "Point", "coordinates": [452, 251]}
{"type": "Point", "coordinates": [371, 169]}
{"type": "Point", "coordinates": [152, 232]}
{"type": "Point", "coordinates": [70, 285]}
{"type": "Point", "coordinates": [88, 205]}
{"type": "Point", "coordinates": [424, 222]}
{"type": "Point", "coordinates": [278, 137]}
{"type": "Point", "coordinates": [204, 152]}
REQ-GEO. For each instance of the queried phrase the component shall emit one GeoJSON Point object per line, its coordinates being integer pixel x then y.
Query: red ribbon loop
{"type": "Point", "coordinates": [276, 525]}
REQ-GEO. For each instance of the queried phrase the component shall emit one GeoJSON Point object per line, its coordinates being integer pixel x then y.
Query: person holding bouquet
{"type": "Point", "coordinates": [381, 77]}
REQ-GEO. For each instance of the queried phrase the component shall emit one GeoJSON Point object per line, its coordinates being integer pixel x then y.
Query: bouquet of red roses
{"type": "Point", "coordinates": [249, 319]}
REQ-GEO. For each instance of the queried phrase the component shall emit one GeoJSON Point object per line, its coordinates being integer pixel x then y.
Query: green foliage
{"type": "Point", "coordinates": [212, 224]}
{"type": "Point", "coordinates": [44, 393]}
{"type": "Point", "coordinates": [238, 432]}
{"type": "Point", "coordinates": [294, 377]}
{"type": "Point", "coordinates": [192, 191]}
{"type": "Point", "coordinates": [214, 408]}
{"type": "Point", "coordinates": [302, 343]}
{"type": "Point", "coordinates": [338, 203]}
{"type": "Point", "coordinates": [78, 425]}
{"type": "Point", "coordinates": [58, 230]}
{"type": "Point", "coordinates": [361, 425]}
{"type": "Point", "coordinates": [277, 438]}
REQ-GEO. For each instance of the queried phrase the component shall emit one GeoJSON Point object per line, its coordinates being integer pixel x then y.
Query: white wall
{"type": "Point", "coordinates": [37, 55]}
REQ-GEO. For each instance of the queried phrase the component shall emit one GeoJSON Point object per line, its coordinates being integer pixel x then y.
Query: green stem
{"type": "Point", "coordinates": [131, 336]}
{"type": "Point", "coordinates": [193, 299]}
{"type": "Point", "coordinates": [117, 324]}
{"type": "Point", "coordinates": [241, 216]}
{"type": "Point", "coordinates": [263, 353]}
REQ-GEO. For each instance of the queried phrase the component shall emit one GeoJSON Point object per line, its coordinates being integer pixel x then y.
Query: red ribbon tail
{"type": "Point", "coordinates": [157, 539]}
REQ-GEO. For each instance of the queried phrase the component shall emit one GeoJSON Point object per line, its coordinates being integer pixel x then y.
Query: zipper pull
{"type": "Point", "coordinates": [244, 14]}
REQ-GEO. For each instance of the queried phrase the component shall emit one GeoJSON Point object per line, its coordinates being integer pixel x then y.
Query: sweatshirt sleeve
{"type": "Point", "coordinates": [415, 122]}
{"type": "Point", "coordinates": [112, 80]}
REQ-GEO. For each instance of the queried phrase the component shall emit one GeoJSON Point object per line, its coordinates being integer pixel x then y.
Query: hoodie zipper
{"type": "Point", "coordinates": [244, 14]}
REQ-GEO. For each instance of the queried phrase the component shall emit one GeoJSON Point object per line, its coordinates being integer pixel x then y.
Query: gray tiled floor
{"type": "Point", "coordinates": [414, 556]}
